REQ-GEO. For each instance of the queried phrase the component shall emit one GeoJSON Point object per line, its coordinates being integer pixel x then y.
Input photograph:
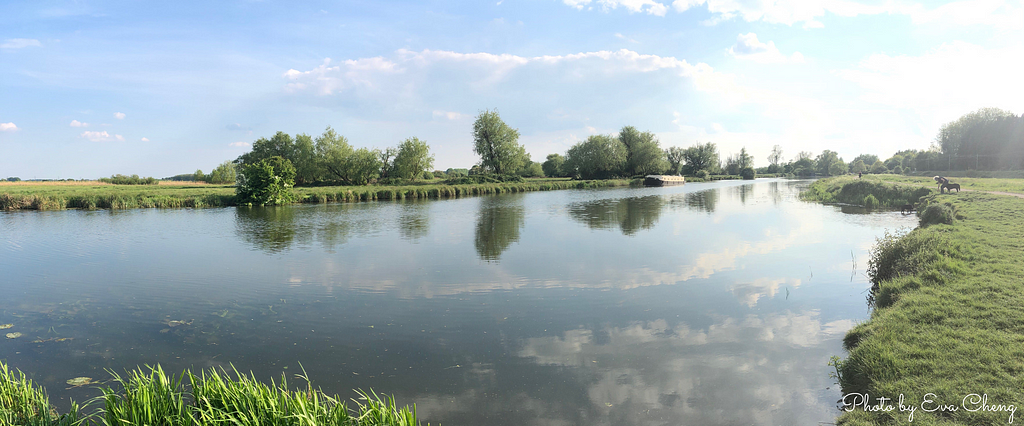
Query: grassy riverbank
{"type": "Point", "coordinates": [871, 192]}
{"type": "Point", "coordinates": [97, 195]}
{"type": "Point", "coordinates": [149, 396]}
{"type": "Point", "coordinates": [948, 318]}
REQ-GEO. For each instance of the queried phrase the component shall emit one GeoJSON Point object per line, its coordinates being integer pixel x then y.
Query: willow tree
{"type": "Point", "coordinates": [498, 144]}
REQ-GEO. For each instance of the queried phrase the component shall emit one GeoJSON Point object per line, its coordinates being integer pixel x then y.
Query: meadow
{"type": "Point", "coordinates": [99, 195]}
{"type": "Point", "coordinates": [947, 324]}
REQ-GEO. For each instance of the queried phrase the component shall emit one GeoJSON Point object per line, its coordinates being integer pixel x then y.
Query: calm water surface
{"type": "Point", "coordinates": [716, 303]}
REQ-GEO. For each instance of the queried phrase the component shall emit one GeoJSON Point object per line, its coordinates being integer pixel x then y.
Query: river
{"type": "Point", "coordinates": [706, 303]}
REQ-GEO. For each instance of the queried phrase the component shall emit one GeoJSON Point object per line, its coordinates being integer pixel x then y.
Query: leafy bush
{"type": "Point", "coordinates": [870, 201]}
{"type": "Point", "coordinates": [130, 180]}
{"type": "Point", "coordinates": [747, 173]}
{"type": "Point", "coordinates": [938, 213]}
{"type": "Point", "coordinates": [703, 174]}
{"type": "Point", "coordinates": [428, 175]}
{"type": "Point", "coordinates": [266, 183]}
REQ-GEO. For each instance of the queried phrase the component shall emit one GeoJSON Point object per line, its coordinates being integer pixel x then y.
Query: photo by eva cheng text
{"type": "Point", "coordinates": [930, 403]}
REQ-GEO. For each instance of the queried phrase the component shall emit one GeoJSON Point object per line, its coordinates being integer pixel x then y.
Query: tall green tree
{"type": "Point", "coordinates": [598, 157]}
{"type": "Point", "coordinates": [552, 166]}
{"type": "Point", "coordinates": [412, 159]}
{"type": "Point", "coordinates": [332, 152]}
{"type": "Point", "coordinates": [774, 159]}
{"type": "Point", "coordinates": [224, 173]}
{"type": "Point", "coordinates": [304, 158]}
{"type": "Point", "coordinates": [643, 155]}
{"type": "Point", "coordinates": [497, 144]}
{"type": "Point", "coordinates": [675, 156]}
{"type": "Point", "coordinates": [823, 164]}
{"type": "Point", "coordinates": [701, 157]}
{"type": "Point", "coordinates": [280, 145]}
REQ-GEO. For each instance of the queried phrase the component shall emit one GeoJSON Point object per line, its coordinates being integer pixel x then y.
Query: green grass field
{"type": "Point", "coordinates": [98, 195]}
{"type": "Point", "coordinates": [948, 317]}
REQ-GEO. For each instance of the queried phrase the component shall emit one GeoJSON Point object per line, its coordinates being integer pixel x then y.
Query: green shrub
{"type": "Point", "coordinates": [266, 183]}
{"type": "Point", "coordinates": [703, 174]}
{"type": "Point", "coordinates": [870, 201]}
{"type": "Point", "coordinates": [130, 180]}
{"type": "Point", "coordinates": [747, 173]}
{"type": "Point", "coordinates": [938, 213]}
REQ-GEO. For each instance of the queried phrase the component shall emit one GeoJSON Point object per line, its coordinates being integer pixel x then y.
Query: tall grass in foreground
{"type": "Point", "coordinates": [151, 397]}
{"type": "Point", "coordinates": [23, 403]}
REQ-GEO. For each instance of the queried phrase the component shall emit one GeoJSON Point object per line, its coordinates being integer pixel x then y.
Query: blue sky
{"type": "Point", "coordinates": [90, 88]}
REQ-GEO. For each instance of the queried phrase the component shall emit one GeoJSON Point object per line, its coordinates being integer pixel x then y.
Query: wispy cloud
{"type": "Point", "coordinates": [76, 123]}
{"type": "Point", "coordinates": [994, 13]}
{"type": "Point", "coordinates": [8, 127]}
{"type": "Point", "coordinates": [119, 115]}
{"type": "Point", "coordinates": [20, 43]}
{"type": "Point", "coordinates": [145, 139]}
{"type": "Point", "coordinates": [101, 136]}
{"type": "Point", "coordinates": [240, 144]}
{"type": "Point", "coordinates": [749, 47]}
{"type": "Point", "coordinates": [448, 115]}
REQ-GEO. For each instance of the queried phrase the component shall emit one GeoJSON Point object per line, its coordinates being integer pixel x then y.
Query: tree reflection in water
{"type": "Point", "coordinates": [498, 224]}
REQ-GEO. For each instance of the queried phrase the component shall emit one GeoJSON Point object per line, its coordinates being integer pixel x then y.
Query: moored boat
{"type": "Point", "coordinates": [662, 180]}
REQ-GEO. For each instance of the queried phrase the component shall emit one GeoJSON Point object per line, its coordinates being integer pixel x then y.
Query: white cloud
{"type": "Point", "coordinates": [145, 139]}
{"type": "Point", "coordinates": [347, 75]}
{"type": "Point", "coordinates": [76, 123]}
{"type": "Point", "coordinates": [943, 84]}
{"type": "Point", "coordinates": [119, 115]}
{"type": "Point", "coordinates": [996, 13]}
{"type": "Point", "coordinates": [101, 136]}
{"type": "Point", "coordinates": [240, 144]}
{"type": "Point", "coordinates": [749, 47]}
{"type": "Point", "coordinates": [652, 7]}
{"type": "Point", "coordinates": [8, 127]}
{"type": "Point", "coordinates": [448, 115]}
{"type": "Point", "coordinates": [622, 37]}
{"type": "Point", "coordinates": [19, 43]}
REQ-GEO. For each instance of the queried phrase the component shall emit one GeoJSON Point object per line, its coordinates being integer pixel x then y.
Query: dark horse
{"type": "Point", "coordinates": [907, 208]}
{"type": "Point", "coordinates": [950, 187]}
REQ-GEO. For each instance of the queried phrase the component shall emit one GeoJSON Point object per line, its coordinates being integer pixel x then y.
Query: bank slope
{"type": "Point", "coordinates": [948, 320]}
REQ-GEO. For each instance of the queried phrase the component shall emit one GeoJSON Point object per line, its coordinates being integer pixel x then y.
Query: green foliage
{"type": "Point", "coordinates": [224, 173]}
{"type": "Point", "coordinates": [129, 180]}
{"type": "Point", "coordinates": [532, 170]}
{"type": "Point", "coordinates": [878, 168]}
{"type": "Point", "coordinates": [828, 163]}
{"type": "Point", "coordinates": [851, 190]}
{"type": "Point", "coordinates": [14, 179]}
{"type": "Point", "coordinates": [479, 179]}
{"type": "Point", "coordinates": [266, 183]}
{"type": "Point", "coordinates": [553, 165]}
{"type": "Point", "coordinates": [428, 175]}
{"type": "Point", "coordinates": [675, 157]}
{"type": "Point", "coordinates": [701, 157]}
{"type": "Point", "coordinates": [497, 144]}
{"type": "Point", "coordinates": [643, 153]}
{"type": "Point", "coordinates": [858, 167]}
{"type": "Point", "coordinates": [987, 139]}
{"type": "Point", "coordinates": [456, 172]}
{"type": "Point", "coordinates": [870, 201]}
{"type": "Point", "coordinates": [937, 213]}
{"type": "Point", "coordinates": [24, 403]}
{"type": "Point", "coordinates": [747, 173]}
{"type": "Point", "coordinates": [598, 157]}
{"type": "Point", "coordinates": [702, 174]}
{"type": "Point", "coordinates": [412, 159]}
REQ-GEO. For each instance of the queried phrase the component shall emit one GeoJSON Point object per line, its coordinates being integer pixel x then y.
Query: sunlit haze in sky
{"type": "Point", "coordinates": [93, 88]}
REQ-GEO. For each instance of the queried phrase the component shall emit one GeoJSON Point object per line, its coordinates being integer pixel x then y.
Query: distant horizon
{"type": "Point", "coordinates": [101, 88]}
